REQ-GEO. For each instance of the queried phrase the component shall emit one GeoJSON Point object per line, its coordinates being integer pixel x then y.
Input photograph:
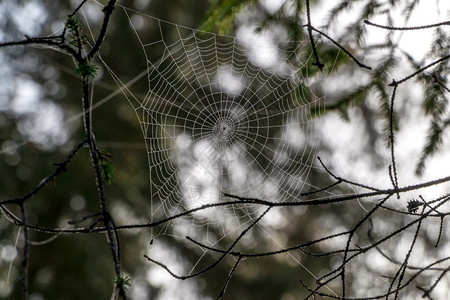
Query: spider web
{"type": "Point", "coordinates": [222, 114]}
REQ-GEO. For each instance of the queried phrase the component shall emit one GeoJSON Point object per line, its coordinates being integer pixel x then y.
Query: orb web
{"type": "Point", "coordinates": [222, 114]}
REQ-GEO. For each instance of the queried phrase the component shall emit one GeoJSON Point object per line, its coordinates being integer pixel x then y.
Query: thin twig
{"type": "Point", "coordinates": [380, 241]}
{"type": "Point", "coordinates": [112, 237]}
{"type": "Point", "coordinates": [217, 261]}
{"type": "Point", "coordinates": [342, 48]}
{"type": "Point", "coordinates": [53, 41]}
{"type": "Point", "coordinates": [224, 288]}
{"type": "Point", "coordinates": [441, 227]}
{"type": "Point", "coordinates": [107, 10]}
{"type": "Point", "coordinates": [339, 180]}
{"type": "Point", "coordinates": [393, 174]}
{"type": "Point", "coordinates": [84, 218]}
{"type": "Point", "coordinates": [244, 200]}
{"type": "Point", "coordinates": [61, 167]}
{"type": "Point", "coordinates": [407, 28]}
{"type": "Point", "coordinates": [408, 255]}
{"type": "Point", "coordinates": [440, 83]}
{"type": "Point", "coordinates": [428, 292]}
{"type": "Point", "coordinates": [78, 8]}
{"type": "Point", "coordinates": [285, 250]}
{"type": "Point", "coordinates": [328, 187]}
{"type": "Point", "coordinates": [26, 252]}
{"type": "Point", "coordinates": [394, 83]}
{"type": "Point", "coordinates": [311, 39]}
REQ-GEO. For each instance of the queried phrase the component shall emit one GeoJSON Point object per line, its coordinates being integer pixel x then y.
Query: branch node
{"type": "Point", "coordinates": [393, 83]}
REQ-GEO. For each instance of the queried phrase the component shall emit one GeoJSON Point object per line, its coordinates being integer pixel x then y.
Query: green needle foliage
{"type": "Point", "coordinates": [220, 18]}
{"type": "Point", "coordinates": [106, 166]}
{"type": "Point", "coordinates": [76, 37]}
{"type": "Point", "coordinates": [87, 69]}
{"type": "Point", "coordinates": [123, 282]}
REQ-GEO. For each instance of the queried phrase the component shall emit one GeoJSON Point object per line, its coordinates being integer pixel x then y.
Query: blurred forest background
{"type": "Point", "coordinates": [349, 115]}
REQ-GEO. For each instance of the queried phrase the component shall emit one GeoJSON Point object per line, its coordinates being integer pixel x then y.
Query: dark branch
{"type": "Point", "coordinates": [51, 41]}
{"type": "Point", "coordinates": [61, 167]}
{"type": "Point", "coordinates": [317, 63]}
{"type": "Point", "coordinates": [407, 28]}
{"type": "Point", "coordinates": [342, 48]}
{"type": "Point", "coordinates": [394, 83]}
{"type": "Point", "coordinates": [222, 292]}
{"type": "Point", "coordinates": [393, 167]}
{"type": "Point", "coordinates": [26, 252]}
{"type": "Point", "coordinates": [107, 10]}
{"type": "Point", "coordinates": [217, 261]}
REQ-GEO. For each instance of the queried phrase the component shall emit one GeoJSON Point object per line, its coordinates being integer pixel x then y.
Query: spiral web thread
{"type": "Point", "coordinates": [222, 115]}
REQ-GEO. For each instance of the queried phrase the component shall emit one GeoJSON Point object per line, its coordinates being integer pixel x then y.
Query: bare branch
{"type": "Point", "coordinates": [107, 10]}
{"type": "Point", "coordinates": [317, 63]}
{"type": "Point", "coordinates": [342, 48]}
{"type": "Point", "coordinates": [222, 292]}
{"type": "Point", "coordinates": [407, 28]}
{"type": "Point", "coordinates": [396, 83]}
{"type": "Point", "coordinates": [60, 168]}
{"type": "Point", "coordinates": [217, 261]}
